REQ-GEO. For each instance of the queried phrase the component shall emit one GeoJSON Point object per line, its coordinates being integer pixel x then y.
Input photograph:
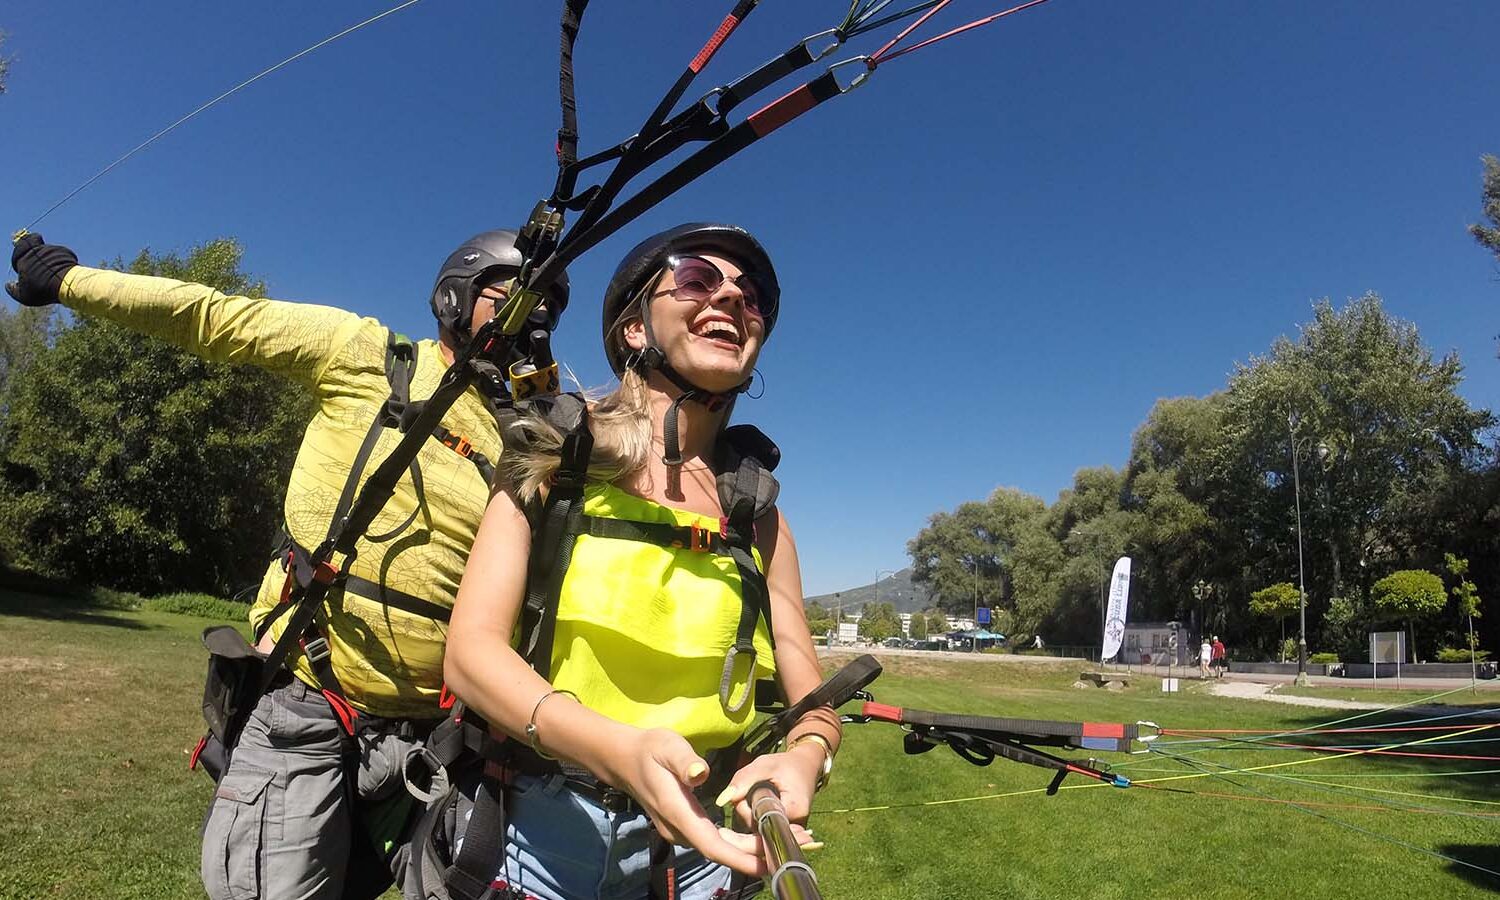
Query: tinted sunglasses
{"type": "Point", "coordinates": [697, 280]}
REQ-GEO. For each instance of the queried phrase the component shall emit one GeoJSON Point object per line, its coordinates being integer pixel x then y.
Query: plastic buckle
{"type": "Point", "coordinates": [700, 539]}
{"type": "Point", "coordinates": [325, 572]}
{"type": "Point", "coordinates": [316, 650]}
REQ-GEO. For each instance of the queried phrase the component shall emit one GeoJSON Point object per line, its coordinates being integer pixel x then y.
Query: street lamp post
{"type": "Point", "coordinates": [878, 573]}
{"type": "Point", "coordinates": [1301, 680]}
{"type": "Point", "coordinates": [1102, 566]}
{"type": "Point", "coordinates": [974, 641]}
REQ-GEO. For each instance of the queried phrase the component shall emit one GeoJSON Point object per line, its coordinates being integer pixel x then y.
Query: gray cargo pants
{"type": "Point", "coordinates": [279, 826]}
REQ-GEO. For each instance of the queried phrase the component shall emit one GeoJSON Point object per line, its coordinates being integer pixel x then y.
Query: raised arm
{"type": "Point", "coordinates": [294, 339]}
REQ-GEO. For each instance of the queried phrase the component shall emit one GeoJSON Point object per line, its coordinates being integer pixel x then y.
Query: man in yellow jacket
{"type": "Point", "coordinates": [285, 814]}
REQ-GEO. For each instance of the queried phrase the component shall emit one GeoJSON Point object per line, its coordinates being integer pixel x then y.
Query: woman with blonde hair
{"type": "Point", "coordinates": [663, 582]}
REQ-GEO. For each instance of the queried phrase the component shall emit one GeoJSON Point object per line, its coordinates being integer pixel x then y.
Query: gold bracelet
{"type": "Point", "coordinates": [531, 725]}
{"type": "Point", "coordinates": [826, 771]}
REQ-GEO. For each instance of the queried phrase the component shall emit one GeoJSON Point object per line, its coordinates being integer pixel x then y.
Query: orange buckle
{"type": "Point", "coordinates": [325, 573]}
{"type": "Point", "coordinates": [701, 539]}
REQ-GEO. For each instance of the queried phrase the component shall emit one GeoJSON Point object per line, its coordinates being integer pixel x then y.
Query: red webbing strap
{"type": "Point", "coordinates": [342, 708]}
{"type": "Point", "coordinates": [726, 28]}
{"type": "Point", "coordinates": [792, 104]}
{"type": "Point", "coordinates": [629, 164]}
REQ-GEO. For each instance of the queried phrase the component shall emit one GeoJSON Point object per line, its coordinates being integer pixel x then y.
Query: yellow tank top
{"type": "Point", "coordinates": [643, 630]}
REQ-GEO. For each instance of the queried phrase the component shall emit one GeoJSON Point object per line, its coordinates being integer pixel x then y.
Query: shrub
{"type": "Point", "coordinates": [1289, 649]}
{"type": "Point", "coordinates": [1323, 658]}
{"type": "Point", "coordinates": [1461, 655]}
{"type": "Point", "coordinates": [204, 606]}
{"type": "Point", "coordinates": [66, 593]}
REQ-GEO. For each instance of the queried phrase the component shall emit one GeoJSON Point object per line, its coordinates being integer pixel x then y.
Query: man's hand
{"type": "Point", "coordinates": [41, 267]}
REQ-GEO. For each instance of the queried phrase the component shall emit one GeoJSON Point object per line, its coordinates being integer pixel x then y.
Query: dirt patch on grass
{"type": "Point", "coordinates": [15, 664]}
{"type": "Point", "coordinates": [73, 669]}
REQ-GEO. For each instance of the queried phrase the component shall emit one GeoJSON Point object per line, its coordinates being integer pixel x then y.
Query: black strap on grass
{"type": "Point", "coordinates": [1106, 736]}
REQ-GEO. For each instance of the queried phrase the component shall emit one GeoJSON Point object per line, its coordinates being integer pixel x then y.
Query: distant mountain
{"type": "Point", "coordinates": [895, 589]}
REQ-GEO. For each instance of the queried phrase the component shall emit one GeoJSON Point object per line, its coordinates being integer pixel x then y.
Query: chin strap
{"type": "Point", "coordinates": [651, 358]}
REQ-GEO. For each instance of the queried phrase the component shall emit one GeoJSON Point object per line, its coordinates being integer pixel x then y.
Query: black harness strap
{"type": "Point", "coordinates": [395, 599]}
{"type": "Point", "coordinates": [1106, 736]}
{"type": "Point", "coordinates": [469, 878]}
{"type": "Point", "coordinates": [552, 546]}
{"type": "Point", "coordinates": [662, 534]}
{"type": "Point", "coordinates": [311, 576]}
{"type": "Point", "coordinates": [739, 528]}
{"type": "Point", "coordinates": [567, 135]}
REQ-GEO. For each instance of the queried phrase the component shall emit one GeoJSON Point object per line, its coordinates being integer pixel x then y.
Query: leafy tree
{"type": "Point", "coordinates": [1409, 595]}
{"type": "Point", "coordinates": [1488, 236]}
{"type": "Point", "coordinates": [1277, 602]}
{"type": "Point", "coordinates": [4, 64]}
{"type": "Point", "coordinates": [1376, 422]}
{"type": "Point", "coordinates": [24, 333]}
{"type": "Point", "coordinates": [1093, 530]}
{"type": "Point", "coordinates": [879, 621]}
{"type": "Point", "coordinates": [928, 622]}
{"type": "Point", "coordinates": [1169, 487]}
{"type": "Point", "coordinates": [982, 554]}
{"type": "Point", "coordinates": [819, 619]}
{"type": "Point", "coordinates": [128, 462]}
{"type": "Point", "coordinates": [1465, 594]}
{"type": "Point", "coordinates": [1345, 627]}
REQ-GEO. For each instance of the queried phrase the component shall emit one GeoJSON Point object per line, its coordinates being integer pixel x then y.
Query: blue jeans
{"type": "Point", "coordinates": [562, 846]}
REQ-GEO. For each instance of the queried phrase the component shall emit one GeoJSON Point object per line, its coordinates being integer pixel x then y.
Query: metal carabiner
{"type": "Point", "coordinates": [1146, 738]}
{"type": "Point", "coordinates": [858, 718]}
{"type": "Point", "coordinates": [838, 41]}
{"type": "Point", "coordinates": [859, 79]}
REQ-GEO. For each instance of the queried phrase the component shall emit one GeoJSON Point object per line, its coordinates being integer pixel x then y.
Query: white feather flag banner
{"type": "Point", "coordinates": [1119, 599]}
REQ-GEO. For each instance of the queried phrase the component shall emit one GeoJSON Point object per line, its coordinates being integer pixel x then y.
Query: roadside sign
{"type": "Point", "coordinates": [982, 615]}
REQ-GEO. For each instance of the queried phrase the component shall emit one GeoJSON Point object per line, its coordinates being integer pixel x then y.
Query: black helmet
{"type": "Point", "coordinates": [476, 262]}
{"type": "Point", "coordinates": [650, 255]}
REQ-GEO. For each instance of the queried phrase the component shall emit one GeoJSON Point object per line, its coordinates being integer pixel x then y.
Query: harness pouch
{"type": "Point", "coordinates": [234, 829]}
{"type": "Point", "coordinates": [229, 694]}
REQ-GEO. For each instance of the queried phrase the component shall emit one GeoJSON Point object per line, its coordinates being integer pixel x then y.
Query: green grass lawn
{"type": "Point", "coordinates": [101, 709]}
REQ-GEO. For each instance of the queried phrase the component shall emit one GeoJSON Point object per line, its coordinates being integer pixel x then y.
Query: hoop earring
{"type": "Point", "coordinates": [751, 383]}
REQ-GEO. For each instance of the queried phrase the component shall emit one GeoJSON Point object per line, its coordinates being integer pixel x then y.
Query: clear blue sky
{"type": "Point", "coordinates": [996, 255]}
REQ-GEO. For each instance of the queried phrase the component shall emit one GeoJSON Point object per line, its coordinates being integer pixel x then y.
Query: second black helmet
{"type": "Point", "coordinates": [479, 261]}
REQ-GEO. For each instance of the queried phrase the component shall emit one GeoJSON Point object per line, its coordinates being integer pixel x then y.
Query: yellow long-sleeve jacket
{"type": "Point", "coordinates": [388, 661]}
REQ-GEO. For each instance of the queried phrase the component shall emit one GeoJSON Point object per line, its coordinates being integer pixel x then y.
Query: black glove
{"type": "Point", "coordinates": [41, 267]}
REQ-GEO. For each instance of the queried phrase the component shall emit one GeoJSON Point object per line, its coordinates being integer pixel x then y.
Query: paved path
{"type": "Point", "coordinates": [1255, 690]}
{"type": "Point", "coordinates": [952, 655]}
